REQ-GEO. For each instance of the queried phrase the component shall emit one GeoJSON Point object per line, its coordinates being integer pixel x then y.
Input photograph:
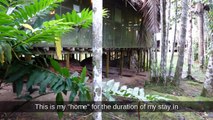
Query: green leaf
{"type": "Point", "coordinates": [83, 74]}
{"type": "Point", "coordinates": [65, 72]}
{"type": "Point", "coordinates": [33, 77]}
{"type": "Point", "coordinates": [59, 83]}
{"type": "Point", "coordinates": [68, 83]}
{"type": "Point", "coordinates": [7, 52]}
{"type": "Point", "coordinates": [44, 83]}
{"type": "Point", "coordinates": [55, 65]}
{"type": "Point", "coordinates": [19, 86]}
{"type": "Point", "coordinates": [60, 88]}
{"type": "Point", "coordinates": [41, 77]}
{"type": "Point", "coordinates": [17, 73]}
{"type": "Point", "coordinates": [72, 95]}
{"type": "Point", "coordinates": [54, 81]}
{"type": "Point", "coordinates": [60, 101]}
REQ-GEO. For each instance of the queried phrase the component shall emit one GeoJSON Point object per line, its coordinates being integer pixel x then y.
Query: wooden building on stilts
{"type": "Point", "coordinates": [127, 35]}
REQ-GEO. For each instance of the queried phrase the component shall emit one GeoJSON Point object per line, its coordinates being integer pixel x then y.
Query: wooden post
{"type": "Point", "coordinates": [121, 62]}
{"type": "Point", "coordinates": [144, 60]}
{"type": "Point", "coordinates": [79, 56]}
{"type": "Point", "coordinates": [116, 55]}
{"type": "Point", "coordinates": [139, 61]}
{"type": "Point", "coordinates": [141, 57]}
{"type": "Point", "coordinates": [147, 60]}
{"type": "Point", "coordinates": [129, 56]}
{"type": "Point", "coordinates": [85, 55]}
{"type": "Point", "coordinates": [107, 65]}
{"type": "Point", "coordinates": [68, 60]}
{"type": "Point", "coordinates": [150, 57]}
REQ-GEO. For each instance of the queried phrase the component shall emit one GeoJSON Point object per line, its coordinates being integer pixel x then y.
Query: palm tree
{"type": "Point", "coordinates": [163, 40]}
{"type": "Point", "coordinates": [179, 65]}
{"type": "Point", "coordinates": [189, 76]}
{"type": "Point", "coordinates": [200, 18]}
{"type": "Point", "coordinates": [208, 83]}
{"type": "Point", "coordinates": [97, 28]}
{"type": "Point", "coordinates": [174, 40]}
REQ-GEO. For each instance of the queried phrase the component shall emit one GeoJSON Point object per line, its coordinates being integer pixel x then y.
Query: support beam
{"type": "Point", "coordinates": [121, 62]}
{"type": "Point", "coordinates": [68, 60]}
{"type": "Point", "coordinates": [107, 64]}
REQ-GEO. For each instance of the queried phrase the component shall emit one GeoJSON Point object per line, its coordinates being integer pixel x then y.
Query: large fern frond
{"type": "Point", "coordinates": [37, 8]}
{"type": "Point", "coordinates": [59, 81]}
{"type": "Point", "coordinates": [82, 19]}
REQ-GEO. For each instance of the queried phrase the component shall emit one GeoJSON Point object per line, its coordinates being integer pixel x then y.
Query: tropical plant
{"type": "Point", "coordinates": [60, 81]}
{"type": "Point", "coordinates": [18, 34]}
{"type": "Point", "coordinates": [112, 88]}
{"type": "Point", "coordinates": [16, 25]}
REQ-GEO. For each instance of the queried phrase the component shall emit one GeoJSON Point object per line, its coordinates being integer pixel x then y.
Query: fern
{"type": "Point", "coordinates": [58, 82]}
{"type": "Point", "coordinates": [37, 8]}
{"type": "Point", "coordinates": [82, 19]}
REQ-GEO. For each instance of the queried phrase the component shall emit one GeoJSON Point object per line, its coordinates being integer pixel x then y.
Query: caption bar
{"type": "Point", "coordinates": [118, 106]}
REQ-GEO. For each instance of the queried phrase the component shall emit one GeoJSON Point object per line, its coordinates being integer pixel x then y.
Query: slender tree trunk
{"type": "Point", "coordinates": [163, 41]}
{"type": "Point", "coordinates": [200, 14]}
{"type": "Point", "coordinates": [168, 23]}
{"type": "Point", "coordinates": [208, 83]}
{"type": "Point", "coordinates": [189, 76]}
{"type": "Point", "coordinates": [174, 40]}
{"type": "Point", "coordinates": [153, 59]}
{"type": "Point", "coordinates": [156, 57]}
{"type": "Point", "coordinates": [97, 53]}
{"type": "Point", "coordinates": [179, 66]}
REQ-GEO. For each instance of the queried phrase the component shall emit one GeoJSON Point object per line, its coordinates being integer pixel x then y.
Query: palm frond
{"type": "Point", "coordinates": [150, 11]}
{"type": "Point", "coordinates": [82, 19]}
{"type": "Point", "coordinates": [26, 12]}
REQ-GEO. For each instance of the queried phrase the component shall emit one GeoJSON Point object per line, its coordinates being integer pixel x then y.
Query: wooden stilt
{"type": "Point", "coordinates": [121, 62]}
{"type": "Point", "coordinates": [68, 60]}
{"type": "Point", "coordinates": [129, 57]}
{"type": "Point", "coordinates": [139, 61]}
{"type": "Point", "coordinates": [85, 55]}
{"type": "Point", "coordinates": [150, 54]}
{"type": "Point", "coordinates": [147, 59]}
{"type": "Point", "coordinates": [107, 65]}
{"type": "Point", "coordinates": [79, 56]}
{"type": "Point", "coordinates": [116, 55]}
{"type": "Point", "coordinates": [141, 57]}
{"type": "Point", "coordinates": [144, 60]}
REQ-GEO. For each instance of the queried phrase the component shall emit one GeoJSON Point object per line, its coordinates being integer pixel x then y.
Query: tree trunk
{"type": "Point", "coordinates": [97, 28]}
{"type": "Point", "coordinates": [189, 76]}
{"type": "Point", "coordinates": [179, 66]}
{"type": "Point", "coordinates": [174, 40]}
{"type": "Point", "coordinates": [153, 60]}
{"type": "Point", "coordinates": [168, 23]}
{"type": "Point", "coordinates": [163, 41]}
{"type": "Point", "coordinates": [200, 14]}
{"type": "Point", "coordinates": [208, 83]}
